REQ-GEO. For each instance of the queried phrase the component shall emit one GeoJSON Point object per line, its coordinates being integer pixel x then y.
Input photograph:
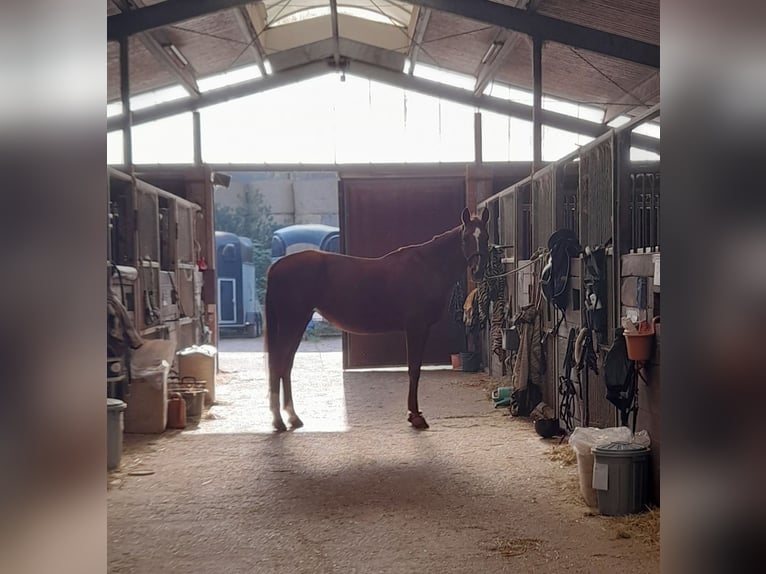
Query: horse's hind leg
{"type": "Point", "coordinates": [295, 331]}
{"type": "Point", "coordinates": [276, 421]}
{"type": "Point", "coordinates": [416, 342]}
{"type": "Point", "coordinates": [287, 398]}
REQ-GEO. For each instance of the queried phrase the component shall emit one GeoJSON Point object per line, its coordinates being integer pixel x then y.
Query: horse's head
{"type": "Point", "coordinates": [475, 242]}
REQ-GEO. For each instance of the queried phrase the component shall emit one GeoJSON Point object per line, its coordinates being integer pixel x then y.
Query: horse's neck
{"type": "Point", "coordinates": [446, 253]}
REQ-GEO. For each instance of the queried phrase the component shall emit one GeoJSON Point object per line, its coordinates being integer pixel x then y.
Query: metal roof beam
{"type": "Point", "coordinates": [381, 74]}
{"type": "Point", "coordinates": [510, 38]}
{"type": "Point", "coordinates": [248, 29]}
{"type": "Point", "coordinates": [491, 103]}
{"type": "Point", "coordinates": [646, 90]}
{"type": "Point", "coordinates": [335, 35]}
{"type": "Point", "coordinates": [421, 23]}
{"type": "Point", "coordinates": [325, 49]}
{"type": "Point", "coordinates": [221, 95]}
{"type": "Point", "coordinates": [486, 71]}
{"type": "Point", "coordinates": [154, 46]}
{"type": "Point", "coordinates": [462, 96]}
{"type": "Point", "coordinates": [185, 76]}
{"type": "Point", "coordinates": [551, 29]}
{"type": "Point", "coordinates": [164, 14]}
{"type": "Point", "coordinates": [561, 31]}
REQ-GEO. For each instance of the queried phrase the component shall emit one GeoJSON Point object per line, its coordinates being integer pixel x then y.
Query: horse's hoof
{"type": "Point", "coordinates": [279, 426]}
{"type": "Point", "coordinates": [295, 423]}
{"type": "Point", "coordinates": [417, 421]}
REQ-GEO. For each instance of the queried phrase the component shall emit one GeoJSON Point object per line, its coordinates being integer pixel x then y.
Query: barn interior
{"type": "Point", "coordinates": [350, 491]}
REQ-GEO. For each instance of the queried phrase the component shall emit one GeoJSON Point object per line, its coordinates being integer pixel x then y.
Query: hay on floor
{"type": "Point", "coordinates": [516, 546]}
{"type": "Point", "coordinates": [564, 454]}
{"type": "Point", "coordinates": [644, 527]}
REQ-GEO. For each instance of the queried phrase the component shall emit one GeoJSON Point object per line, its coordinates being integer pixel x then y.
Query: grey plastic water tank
{"type": "Point", "coordinates": [114, 428]}
{"type": "Point", "coordinates": [620, 478]}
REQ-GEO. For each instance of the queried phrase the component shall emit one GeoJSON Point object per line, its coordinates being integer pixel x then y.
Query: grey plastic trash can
{"type": "Point", "coordinates": [620, 478]}
{"type": "Point", "coordinates": [114, 428]}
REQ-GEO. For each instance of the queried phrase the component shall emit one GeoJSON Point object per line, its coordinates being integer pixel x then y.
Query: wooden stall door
{"type": "Point", "coordinates": [379, 215]}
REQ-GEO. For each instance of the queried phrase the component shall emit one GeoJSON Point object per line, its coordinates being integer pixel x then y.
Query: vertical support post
{"type": "Point", "coordinates": [197, 134]}
{"type": "Point", "coordinates": [477, 139]}
{"type": "Point", "coordinates": [537, 126]}
{"type": "Point", "coordinates": [127, 136]}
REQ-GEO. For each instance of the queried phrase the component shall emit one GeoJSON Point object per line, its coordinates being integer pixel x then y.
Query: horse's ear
{"type": "Point", "coordinates": [466, 216]}
{"type": "Point", "coordinates": [485, 216]}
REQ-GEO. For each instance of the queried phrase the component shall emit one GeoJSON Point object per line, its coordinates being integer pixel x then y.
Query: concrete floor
{"type": "Point", "coordinates": [356, 490]}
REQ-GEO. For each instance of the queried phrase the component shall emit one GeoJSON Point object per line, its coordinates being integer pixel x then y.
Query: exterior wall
{"type": "Point", "coordinates": [293, 197]}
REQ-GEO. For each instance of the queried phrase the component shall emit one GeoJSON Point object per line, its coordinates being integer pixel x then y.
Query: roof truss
{"type": "Point", "coordinates": [544, 27]}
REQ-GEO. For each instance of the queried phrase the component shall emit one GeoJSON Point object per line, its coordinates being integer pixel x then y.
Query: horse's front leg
{"type": "Point", "coordinates": [416, 342]}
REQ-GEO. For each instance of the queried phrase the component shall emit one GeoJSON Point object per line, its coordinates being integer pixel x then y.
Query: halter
{"type": "Point", "coordinates": [470, 257]}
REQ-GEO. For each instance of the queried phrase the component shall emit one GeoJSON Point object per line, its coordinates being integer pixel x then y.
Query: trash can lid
{"type": "Point", "coordinates": [115, 405]}
{"type": "Point", "coordinates": [615, 448]}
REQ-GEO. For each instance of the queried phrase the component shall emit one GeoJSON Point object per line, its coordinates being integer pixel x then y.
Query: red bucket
{"type": "Point", "coordinates": [640, 344]}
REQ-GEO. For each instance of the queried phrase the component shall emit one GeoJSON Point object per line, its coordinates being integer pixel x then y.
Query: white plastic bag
{"type": "Point", "coordinates": [642, 438]}
{"type": "Point", "coordinates": [208, 350]}
{"type": "Point", "coordinates": [583, 439]}
{"type": "Point", "coordinates": [150, 356]}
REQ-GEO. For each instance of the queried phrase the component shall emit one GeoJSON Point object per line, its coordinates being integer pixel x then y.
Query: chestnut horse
{"type": "Point", "coordinates": [405, 290]}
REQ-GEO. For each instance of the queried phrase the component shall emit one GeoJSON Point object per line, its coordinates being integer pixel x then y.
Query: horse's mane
{"type": "Point", "coordinates": [436, 240]}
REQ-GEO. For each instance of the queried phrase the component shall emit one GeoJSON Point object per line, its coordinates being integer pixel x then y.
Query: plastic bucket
{"type": "Point", "coordinates": [621, 478]}
{"type": "Point", "coordinates": [639, 345]}
{"type": "Point", "coordinates": [199, 363]}
{"type": "Point", "coordinates": [114, 429]}
{"type": "Point", "coordinates": [470, 362]}
{"type": "Point", "coordinates": [195, 401]}
{"type": "Point", "coordinates": [455, 360]}
{"type": "Point", "coordinates": [502, 396]}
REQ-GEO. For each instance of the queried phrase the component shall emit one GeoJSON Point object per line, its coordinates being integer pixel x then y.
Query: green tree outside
{"type": "Point", "coordinates": [252, 220]}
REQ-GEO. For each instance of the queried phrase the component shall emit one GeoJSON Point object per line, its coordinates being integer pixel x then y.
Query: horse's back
{"type": "Point", "coordinates": [357, 294]}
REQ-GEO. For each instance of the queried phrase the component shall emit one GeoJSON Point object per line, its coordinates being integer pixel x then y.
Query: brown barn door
{"type": "Point", "coordinates": [379, 215]}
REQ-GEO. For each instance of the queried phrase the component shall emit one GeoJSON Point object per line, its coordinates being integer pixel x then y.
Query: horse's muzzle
{"type": "Point", "coordinates": [476, 265]}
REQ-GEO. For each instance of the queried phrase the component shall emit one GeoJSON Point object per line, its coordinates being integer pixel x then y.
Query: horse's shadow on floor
{"type": "Point", "coordinates": [416, 487]}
